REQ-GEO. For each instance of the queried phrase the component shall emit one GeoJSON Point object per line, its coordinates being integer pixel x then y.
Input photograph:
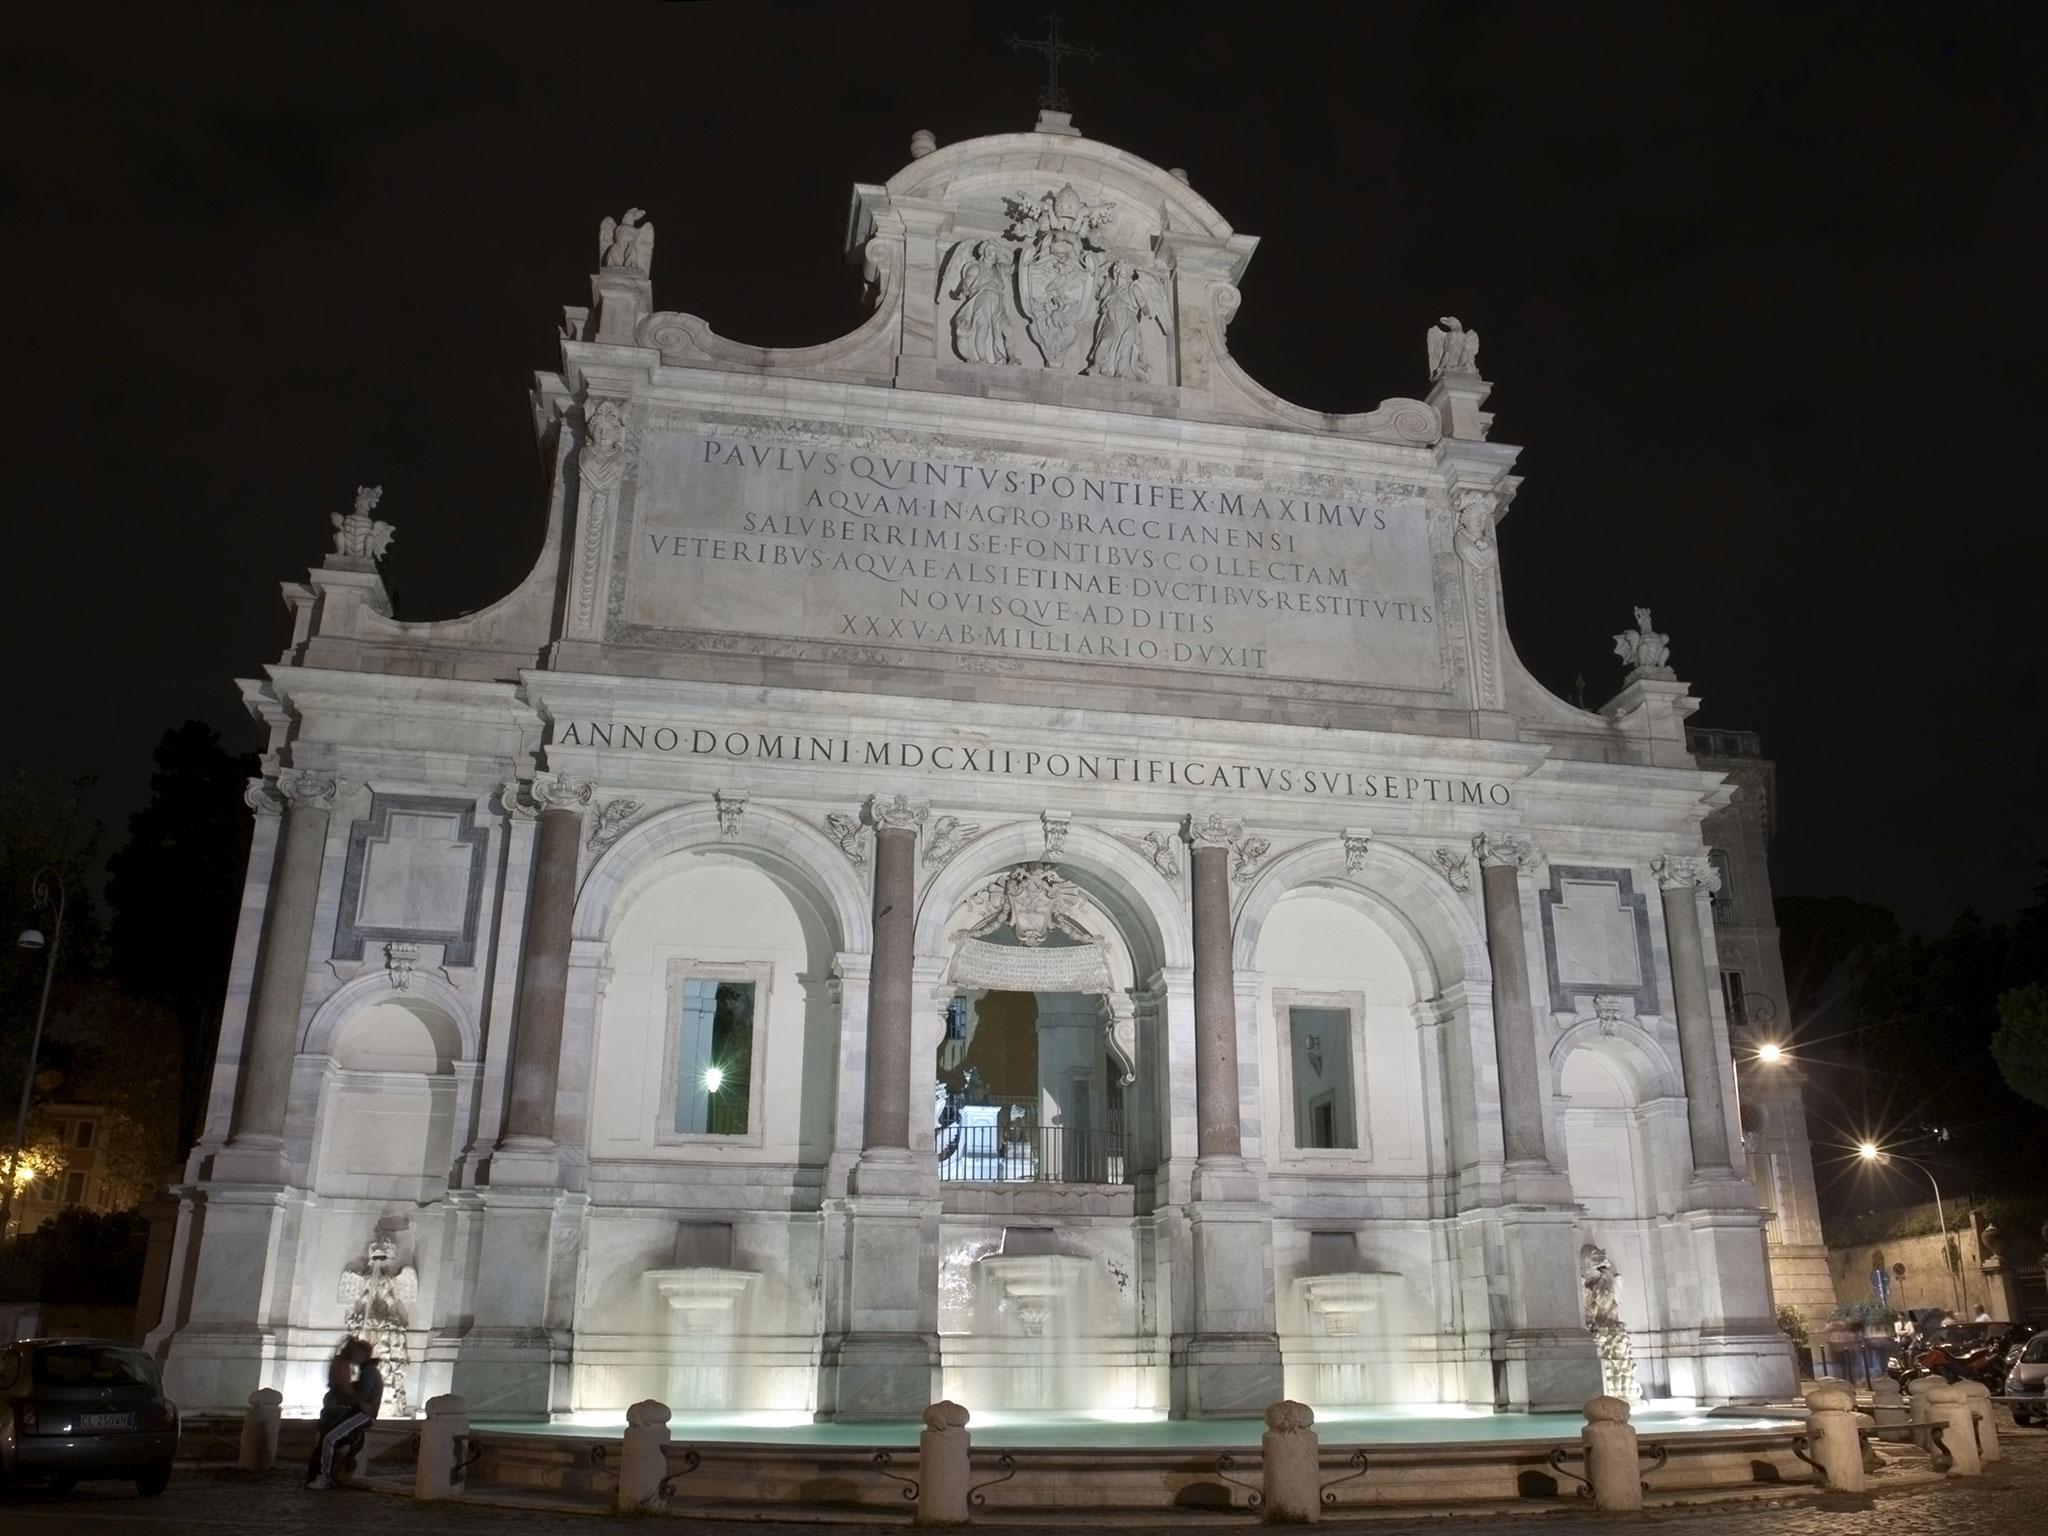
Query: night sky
{"type": "Point", "coordinates": [1752, 284]}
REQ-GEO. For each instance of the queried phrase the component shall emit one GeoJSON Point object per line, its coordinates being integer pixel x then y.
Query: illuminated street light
{"type": "Point", "coordinates": [1867, 1151]}
{"type": "Point", "coordinates": [1770, 1053]}
{"type": "Point", "coordinates": [47, 892]}
{"type": "Point", "coordinates": [1871, 1152]}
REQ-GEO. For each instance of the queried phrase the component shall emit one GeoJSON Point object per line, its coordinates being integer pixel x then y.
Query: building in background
{"type": "Point", "coordinates": [77, 1133]}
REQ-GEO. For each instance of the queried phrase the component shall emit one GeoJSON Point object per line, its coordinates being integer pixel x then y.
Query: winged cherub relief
{"type": "Point", "coordinates": [1130, 297]}
{"type": "Point", "coordinates": [1033, 900]}
{"type": "Point", "coordinates": [1056, 266]}
{"type": "Point", "coordinates": [1642, 647]}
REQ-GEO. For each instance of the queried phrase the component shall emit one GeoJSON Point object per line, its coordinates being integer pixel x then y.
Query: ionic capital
{"type": "Point", "coordinates": [561, 793]}
{"type": "Point", "coordinates": [1496, 849]}
{"type": "Point", "coordinates": [516, 802]}
{"type": "Point", "coordinates": [1681, 871]}
{"type": "Point", "coordinates": [304, 786]}
{"type": "Point", "coordinates": [263, 797]}
{"type": "Point", "coordinates": [1212, 830]}
{"type": "Point", "coordinates": [898, 813]}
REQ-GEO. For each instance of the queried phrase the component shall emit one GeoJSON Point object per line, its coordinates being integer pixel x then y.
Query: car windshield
{"type": "Point", "coordinates": [2037, 1349]}
{"type": "Point", "coordinates": [93, 1365]}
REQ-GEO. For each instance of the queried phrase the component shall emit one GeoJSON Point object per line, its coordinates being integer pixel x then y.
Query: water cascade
{"type": "Point", "coordinates": [1357, 1328]}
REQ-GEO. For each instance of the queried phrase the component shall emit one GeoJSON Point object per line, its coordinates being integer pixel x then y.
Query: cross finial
{"type": "Point", "coordinates": [1054, 47]}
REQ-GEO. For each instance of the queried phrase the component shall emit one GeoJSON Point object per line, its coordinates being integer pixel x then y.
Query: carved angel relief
{"type": "Point", "coordinates": [981, 325]}
{"type": "Point", "coordinates": [1033, 901]}
{"type": "Point", "coordinates": [1130, 298]}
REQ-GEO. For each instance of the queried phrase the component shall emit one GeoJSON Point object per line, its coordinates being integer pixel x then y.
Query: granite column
{"type": "Point", "coordinates": [885, 1118]}
{"type": "Point", "coordinates": [1218, 1132]}
{"type": "Point", "coordinates": [1501, 861]}
{"type": "Point", "coordinates": [1681, 877]}
{"type": "Point", "coordinates": [544, 961]}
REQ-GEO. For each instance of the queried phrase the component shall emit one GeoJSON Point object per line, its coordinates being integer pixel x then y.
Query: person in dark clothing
{"type": "Point", "coordinates": [355, 1386]}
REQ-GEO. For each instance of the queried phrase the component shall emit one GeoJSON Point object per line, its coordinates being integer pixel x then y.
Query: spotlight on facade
{"type": "Point", "coordinates": [1770, 1053]}
{"type": "Point", "coordinates": [714, 1079]}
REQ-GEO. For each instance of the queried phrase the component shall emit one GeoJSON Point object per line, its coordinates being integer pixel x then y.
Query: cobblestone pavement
{"type": "Point", "coordinates": [2009, 1501]}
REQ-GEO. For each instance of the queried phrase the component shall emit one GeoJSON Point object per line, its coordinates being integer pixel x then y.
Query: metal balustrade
{"type": "Point", "coordinates": [1030, 1154]}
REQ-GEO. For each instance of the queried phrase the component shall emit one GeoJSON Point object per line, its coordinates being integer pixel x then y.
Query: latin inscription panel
{"type": "Point", "coordinates": [993, 562]}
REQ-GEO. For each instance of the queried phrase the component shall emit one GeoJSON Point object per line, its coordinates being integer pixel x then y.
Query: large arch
{"type": "Point", "coordinates": [807, 865]}
{"type": "Point", "coordinates": [1146, 908]}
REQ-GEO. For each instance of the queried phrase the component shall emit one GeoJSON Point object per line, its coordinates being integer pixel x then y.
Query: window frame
{"type": "Point", "coordinates": [1353, 1005]}
{"type": "Point", "coordinates": [682, 970]}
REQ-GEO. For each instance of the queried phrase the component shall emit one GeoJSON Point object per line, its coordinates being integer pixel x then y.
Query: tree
{"type": "Point", "coordinates": [176, 891]}
{"type": "Point", "coordinates": [2021, 1045]}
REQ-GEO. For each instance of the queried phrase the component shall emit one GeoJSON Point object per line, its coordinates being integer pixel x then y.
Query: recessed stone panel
{"type": "Point", "coordinates": [1596, 938]}
{"type": "Point", "coordinates": [415, 874]}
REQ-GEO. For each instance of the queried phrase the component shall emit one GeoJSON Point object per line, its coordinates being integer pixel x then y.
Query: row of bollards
{"type": "Point", "coordinates": [1962, 1410]}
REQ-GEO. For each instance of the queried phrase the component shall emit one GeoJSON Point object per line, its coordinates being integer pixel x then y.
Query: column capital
{"type": "Point", "coordinates": [898, 813]}
{"type": "Point", "coordinates": [263, 797]}
{"type": "Point", "coordinates": [305, 786]}
{"type": "Point", "coordinates": [1211, 829]}
{"type": "Point", "coordinates": [514, 800]}
{"type": "Point", "coordinates": [559, 792]}
{"type": "Point", "coordinates": [1496, 849]}
{"type": "Point", "coordinates": [1681, 871]}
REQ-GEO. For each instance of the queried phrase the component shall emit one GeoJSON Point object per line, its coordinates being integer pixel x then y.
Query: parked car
{"type": "Point", "coordinates": [2027, 1381]}
{"type": "Point", "coordinates": [73, 1409]}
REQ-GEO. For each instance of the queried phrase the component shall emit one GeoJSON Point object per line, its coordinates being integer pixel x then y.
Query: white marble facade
{"type": "Point", "coordinates": [601, 948]}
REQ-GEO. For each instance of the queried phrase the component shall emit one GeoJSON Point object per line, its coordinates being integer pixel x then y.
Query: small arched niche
{"type": "Point", "coordinates": [387, 1122]}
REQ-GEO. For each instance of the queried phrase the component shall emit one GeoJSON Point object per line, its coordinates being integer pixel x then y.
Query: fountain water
{"type": "Point", "coordinates": [704, 1310]}
{"type": "Point", "coordinates": [1357, 1325]}
{"type": "Point", "coordinates": [1042, 1297]}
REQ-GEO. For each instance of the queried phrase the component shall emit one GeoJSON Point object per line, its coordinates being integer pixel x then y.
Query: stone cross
{"type": "Point", "coordinates": [1054, 47]}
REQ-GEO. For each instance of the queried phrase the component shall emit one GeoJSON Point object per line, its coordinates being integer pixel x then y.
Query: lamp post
{"type": "Point", "coordinates": [48, 890]}
{"type": "Point", "coordinates": [1870, 1152]}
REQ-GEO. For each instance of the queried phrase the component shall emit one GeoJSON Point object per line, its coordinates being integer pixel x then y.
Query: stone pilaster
{"type": "Point", "coordinates": [1501, 861]}
{"type": "Point", "coordinates": [1680, 877]}
{"type": "Point", "coordinates": [305, 799]}
{"type": "Point", "coordinates": [543, 976]}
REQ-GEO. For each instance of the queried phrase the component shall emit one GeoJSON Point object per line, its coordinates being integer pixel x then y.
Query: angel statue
{"type": "Point", "coordinates": [1610, 1331]}
{"type": "Point", "coordinates": [357, 535]}
{"type": "Point", "coordinates": [1129, 298]}
{"type": "Point", "coordinates": [1452, 348]}
{"type": "Point", "coordinates": [626, 242]}
{"type": "Point", "coordinates": [379, 1299]}
{"type": "Point", "coordinates": [981, 325]}
{"type": "Point", "coordinates": [1643, 648]}
{"type": "Point", "coordinates": [1033, 900]}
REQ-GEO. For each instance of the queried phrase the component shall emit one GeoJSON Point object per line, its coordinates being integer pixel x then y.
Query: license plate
{"type": "Point", "coordinates": [92, 1421]}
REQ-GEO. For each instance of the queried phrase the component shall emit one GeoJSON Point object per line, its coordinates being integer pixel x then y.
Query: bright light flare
{"type": "Point", "coordinates": [1770, 1053]}
{"type": "Point", "coordinates": [714, 1079]}
{"type": "Point", "coordinates": [1867, 1150]}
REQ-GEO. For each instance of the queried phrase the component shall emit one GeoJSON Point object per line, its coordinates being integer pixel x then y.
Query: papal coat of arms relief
{"type": "Point", "coordinates": [1057, 289]}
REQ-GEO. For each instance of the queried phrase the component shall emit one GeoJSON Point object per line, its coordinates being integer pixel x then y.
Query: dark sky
{"type": "Point", "coordinates": [1754, 287]}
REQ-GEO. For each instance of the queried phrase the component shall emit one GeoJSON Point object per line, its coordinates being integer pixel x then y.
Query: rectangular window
{"type": "Point", "coordinates": [74, 1187]}
{"type": "Point", "coordinates": [1734, 1001]}
{"type": "Point", "coordinates": [1319, 1042]}
{"type": "Point", "coordinates": [83, 1136]}
{"type": "Point", "coordinates": [714, 1057]}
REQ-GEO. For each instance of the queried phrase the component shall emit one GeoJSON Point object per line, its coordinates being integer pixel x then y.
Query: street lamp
{"type": "Point", "coordinates": [1770, 1053]}
{"type": "Point", "coordinates": [1871, 1152]}
{"type": "Point", "coordinates": [47, 891]}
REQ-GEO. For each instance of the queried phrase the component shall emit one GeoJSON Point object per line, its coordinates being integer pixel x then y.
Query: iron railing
{"type": "Point", "coordinates": [1031, 1154]}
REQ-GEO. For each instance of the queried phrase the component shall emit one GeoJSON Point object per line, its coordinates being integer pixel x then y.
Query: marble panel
{"type": "Point", "coordinates": [414, 874]}
{"type": "Point", "coordinates": [1596, 938]}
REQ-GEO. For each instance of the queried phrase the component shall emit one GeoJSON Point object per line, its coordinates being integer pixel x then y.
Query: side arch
{"type": "Point", "coordinates": [1441, 934]}
{"type": "Point", "coordinates": [374, 987]}
{"type": "Point", "coordinates": [1651, 1071]}
{"type": "Point", "coordinates": [802, 860]}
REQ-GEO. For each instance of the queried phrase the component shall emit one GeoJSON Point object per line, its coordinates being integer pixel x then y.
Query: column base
{"type": "Point", "coordinates": [1548, 1370]}
{"type": "Point", "coordinates": [894, 1171]}
{"type": "Point", "coordinates": [879, 1377]}
{"type": "Point", "coordinates": [526, 1162]}
{"type": "Point", "coordinates": [258, 1160]}
{"type": "Point", "coordinates": [1227, 1376]}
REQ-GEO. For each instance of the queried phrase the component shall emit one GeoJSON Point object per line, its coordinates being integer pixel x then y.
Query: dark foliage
{"type": "Point", "coordinates": [80, 1257]}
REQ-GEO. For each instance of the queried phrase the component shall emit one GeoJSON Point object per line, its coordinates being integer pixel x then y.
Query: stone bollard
{"type": "Point", "coordinates": [1986, 1413]}
{"type": "Point", "coordinates": [1292, 1457]}
{"type": "Point", "coordinates": [1916, 1397]}
{"type": "Point", "coordinates": [444, 1447]}
{"type": "Point", "coordinates": [643, 1465]}
{"type": "Point", "coordinates": [1888, 1404]}
{"type": "Point", "coordinates": [259, 1430]}
{"type": "Point", "coordinates": [1950, 1408]}
{"type": "Point", "coordinates": [1612, 1465]}
{"type": "Point", "coordinates": [1831, 1436]}
{"type": "Point", "coordinates": [942, 1465]}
